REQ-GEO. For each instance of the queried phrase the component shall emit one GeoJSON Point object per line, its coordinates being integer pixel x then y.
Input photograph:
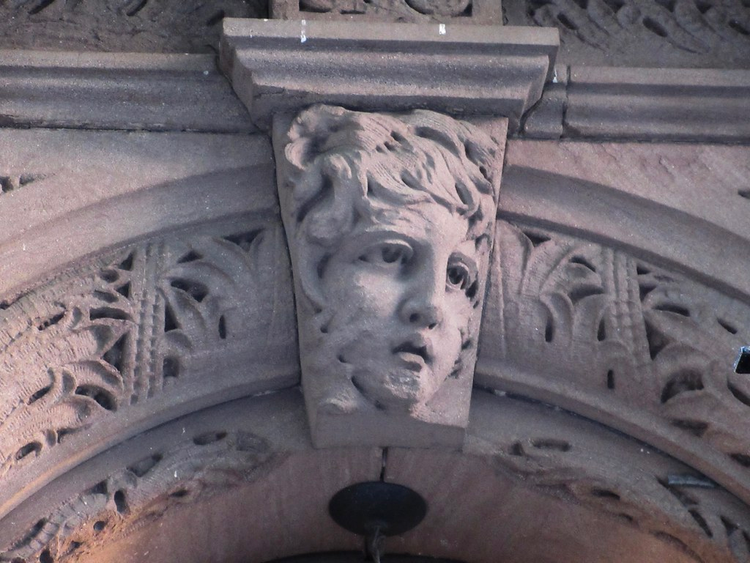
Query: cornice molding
{"type": "Point", "coordinates": [123, 91]}
{"type": "Point", "coordinates": [644, 104]}
{"type": "Point", "coordinates": [278, 66]}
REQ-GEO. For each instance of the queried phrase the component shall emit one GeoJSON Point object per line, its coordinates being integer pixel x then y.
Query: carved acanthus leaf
{"type": "Point", "coordinates": [595, 321]}
{"type": "Point", "coordinates": [126, 327]}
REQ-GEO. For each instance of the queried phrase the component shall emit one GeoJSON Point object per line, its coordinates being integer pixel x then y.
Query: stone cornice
{"type": "Point", "coordinates": [700, 105]}
{"type": "Point", "coordinates": [123, 91]}
{"type": "Point", "coordinates": [461, 70]}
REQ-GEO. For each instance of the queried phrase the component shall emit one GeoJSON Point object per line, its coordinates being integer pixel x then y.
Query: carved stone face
{"type": "Point", "coordinates": [402, 290]}
{"type": "Point", "coordinates": [389, 220]}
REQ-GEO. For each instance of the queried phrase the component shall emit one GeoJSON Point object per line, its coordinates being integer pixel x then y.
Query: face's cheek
{"type": "Point", "coordinates": [455, 328]}
{"type": "Point", "coordinates": [365, 305]}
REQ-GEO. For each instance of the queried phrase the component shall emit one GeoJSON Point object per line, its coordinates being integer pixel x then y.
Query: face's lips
{"type": "Point", "coordinates": [413, 348]}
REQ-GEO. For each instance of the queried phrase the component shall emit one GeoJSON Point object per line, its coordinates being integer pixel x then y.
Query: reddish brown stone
{"type": "Point", "coordinates": [390, 222]}
{"type": "Point", "coordinates": [278, 66]}
{"type": "Point", "coordinates": [117, 91]}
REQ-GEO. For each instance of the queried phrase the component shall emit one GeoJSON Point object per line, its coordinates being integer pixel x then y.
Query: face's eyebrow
{"type": "Point", "coordinates": [480, 240]}
{"type": "Point", "coordinates": [467, 257]}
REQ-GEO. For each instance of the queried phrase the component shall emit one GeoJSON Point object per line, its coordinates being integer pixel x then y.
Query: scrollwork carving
{"type": "Point", "coordinates": [64, 360]}
{"type": "Point", "coordinates": [715, 33]}
{"type": "Point", "coordinates": [598, 321]}
{"type": "Point", "coordinates": [140, 325]}
{"type": "Point", "coordinates": [400, 10]}
{"type": "Point", "coordinates": [139, 493]}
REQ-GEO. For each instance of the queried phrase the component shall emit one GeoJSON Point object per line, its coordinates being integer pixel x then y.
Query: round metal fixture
{"type": "Point", "coordinates": [364, 507]}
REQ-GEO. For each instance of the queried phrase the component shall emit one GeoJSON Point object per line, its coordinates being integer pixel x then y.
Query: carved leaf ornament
{"type": "Point", "coordinates": [600, 320]}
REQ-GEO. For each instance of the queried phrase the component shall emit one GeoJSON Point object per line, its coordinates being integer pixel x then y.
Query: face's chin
{"type": "Point", "coordinates": [398, 385]}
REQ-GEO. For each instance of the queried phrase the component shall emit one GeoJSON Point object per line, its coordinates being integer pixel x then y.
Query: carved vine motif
{"type": "Point", "coordinates": [599, 320]}
{"type": "Point", "coordinates": [630, 481]}
{"type": "Point", "coordinates": [131, 326]}
{"type": "Point", "coordinates": [401, 10]}
{"type": "Point", "coordinates": [693, 26]}
{"type": "Point", "coordinates": [142, 491]}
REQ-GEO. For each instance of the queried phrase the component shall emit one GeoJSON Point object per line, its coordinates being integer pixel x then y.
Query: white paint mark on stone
{"type": "Point", "coordinates": [554, 76]}
{"type": "Point", "coordinates": [441, 29]}
{"type": "Point", "coordinates": [303, 32]}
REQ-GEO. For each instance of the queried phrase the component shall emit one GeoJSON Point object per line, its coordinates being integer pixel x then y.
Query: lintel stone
{"type": "Point", "coordinates": [460, 70]}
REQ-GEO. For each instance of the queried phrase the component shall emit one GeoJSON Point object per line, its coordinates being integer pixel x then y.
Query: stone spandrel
{"type": "Point", "coordinates": [390, 222]}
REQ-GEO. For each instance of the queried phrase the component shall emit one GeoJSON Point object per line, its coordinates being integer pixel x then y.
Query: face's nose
{"type": "Point", "coordinates": [423, 305]}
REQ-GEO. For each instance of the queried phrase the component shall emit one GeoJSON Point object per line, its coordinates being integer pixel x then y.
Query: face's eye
{"type": "Point", "coordinates": [458, 277]}
{"type": "Point", "coordinates": [387, 254]}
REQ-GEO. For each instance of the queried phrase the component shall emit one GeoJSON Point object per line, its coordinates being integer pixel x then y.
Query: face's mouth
{"type": "Point", "coordinates": [416, 352]}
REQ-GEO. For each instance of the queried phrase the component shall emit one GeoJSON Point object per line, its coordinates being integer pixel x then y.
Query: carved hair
{"type": "Point", "coordinates": [346, 165]}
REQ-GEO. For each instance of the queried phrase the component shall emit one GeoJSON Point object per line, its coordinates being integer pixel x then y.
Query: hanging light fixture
{"type": "Point", "coordinates": [376, 510]}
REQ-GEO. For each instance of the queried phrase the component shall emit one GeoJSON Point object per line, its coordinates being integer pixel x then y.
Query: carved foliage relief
{"type": "Point", "coordinates": [389, 221]}
{"type": "Point", "coordinates": [563, 456]}
{"type": "Point", "coordinates": [142, 490]}
{"type": "Point", "coordinates": [140, 324]}
{"type": "Point", "coordinates": [696, 32]}
{"type": "Point", "coordinates": [596, 320]}
{"type": "Point", "coordinates": [399, 10]}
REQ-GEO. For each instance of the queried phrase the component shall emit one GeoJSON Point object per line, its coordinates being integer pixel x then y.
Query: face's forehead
{"type": "Point", "coordinates": [426, 222]}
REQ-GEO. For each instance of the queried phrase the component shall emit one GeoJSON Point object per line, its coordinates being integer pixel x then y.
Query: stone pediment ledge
{"type": "Point", "coordinates": [456, 69]}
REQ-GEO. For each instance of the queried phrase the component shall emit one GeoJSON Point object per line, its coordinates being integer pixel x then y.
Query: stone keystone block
{"type": "Point", "coordinates": [390, 221]}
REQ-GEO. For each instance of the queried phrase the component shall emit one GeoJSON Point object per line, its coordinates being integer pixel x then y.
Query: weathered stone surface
{"type": "Point", "coordinates": [143, 277]}
{"type": "Point", "coordinates": [698, 105]}
{"type": "Point", "coordinates": [676, 204]}
{"type": "Point", "coordinates": [643, 33]}
{"type": "Point", "coordinates": [241, 482]}
{"type": "Point", "coordinates": [117, 91]}
{"type": "Point", "coordinates": [483, 12]}
{"type": "Point", "coordinates": [680, 104]}
{"type": "Point", "coordinates": [614, 499]}
{"type": "Point", "coordinates": [277, 66]}
{"type": "Point", "coordinates": [69, 194]}
{"type": "Point", "coordinates": [389, 220]}
{"type": "Point", "coordinates": [641, 332]}
{"type": "Point", "coordinates": [545, 119]}
{"type": "Point", "coordinates": [156, 26]}
{"type": "Point", "coordinates": [235, 483]}
{"type": "Point", "coordinates": [164, 323]}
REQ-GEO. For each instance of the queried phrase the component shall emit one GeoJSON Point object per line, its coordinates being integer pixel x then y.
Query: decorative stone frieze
{"type": "Point", "coordinates": [390, 222]}
{"type": "Point", "coordinates": [483, 12]}
{"type": "Point", "coordinates": [643, 33]}
{"type": "Point", "coordinates": [631, 344]}
{"type": "Point", "coordinates": [157, 396]}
